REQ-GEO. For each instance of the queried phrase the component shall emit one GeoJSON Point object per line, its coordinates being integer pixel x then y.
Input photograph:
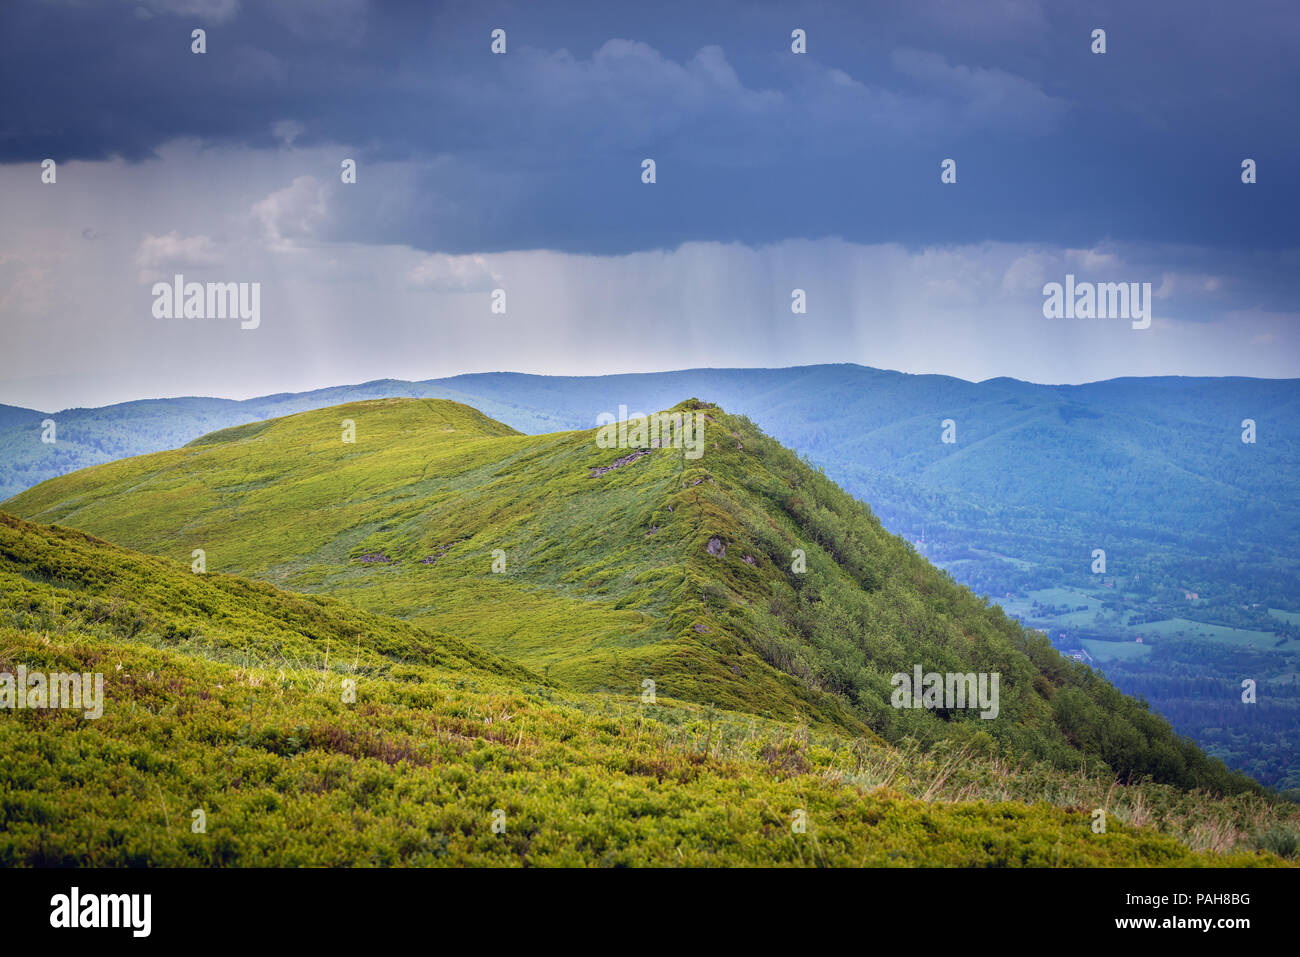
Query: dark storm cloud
{"type": "Point", "coordinates": [541, 148]}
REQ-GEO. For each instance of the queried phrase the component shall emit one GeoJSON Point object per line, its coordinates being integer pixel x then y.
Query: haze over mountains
{"type": "Point", "coordinates": [1152, 471]}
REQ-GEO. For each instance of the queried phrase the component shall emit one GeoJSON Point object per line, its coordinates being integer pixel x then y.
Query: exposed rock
{"type": "Point", "coordinates": [438, 553]}
{"type": "Point", "coordinates": [715, 547]}
{"type": "Point", "coordinates": [618, 463]}
{"type": "Point", "coordinates": [375, 557]}
{"type": "Point", "coordinates": [749, 560]}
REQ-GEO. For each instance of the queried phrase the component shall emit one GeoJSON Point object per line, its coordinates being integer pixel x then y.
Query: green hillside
{"type": "Point", "coordinates": [227, 697]}
{"type": "Point", "coordinates": [665, 569]}
{"type": "Point", "coordinates": [1152, 470]}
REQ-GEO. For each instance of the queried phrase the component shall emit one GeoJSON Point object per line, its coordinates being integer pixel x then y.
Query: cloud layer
{"type": "Point", "coordinates": [522, 172]}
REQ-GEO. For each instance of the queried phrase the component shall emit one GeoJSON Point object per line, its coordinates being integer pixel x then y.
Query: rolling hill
{"type": "Point", "coordinates": [602, 569]}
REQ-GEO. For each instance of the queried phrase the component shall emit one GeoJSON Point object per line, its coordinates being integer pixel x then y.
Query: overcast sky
{"type": "Point", "coordinates": [523, 172]}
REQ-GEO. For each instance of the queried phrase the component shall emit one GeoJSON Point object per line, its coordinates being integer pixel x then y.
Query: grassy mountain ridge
{"type": "Point", "coordinates": [406, 519]}
{"type": "Point", "coordinates": [223, 696]}
{"type": "Point", "coordinates": [665, 568]}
